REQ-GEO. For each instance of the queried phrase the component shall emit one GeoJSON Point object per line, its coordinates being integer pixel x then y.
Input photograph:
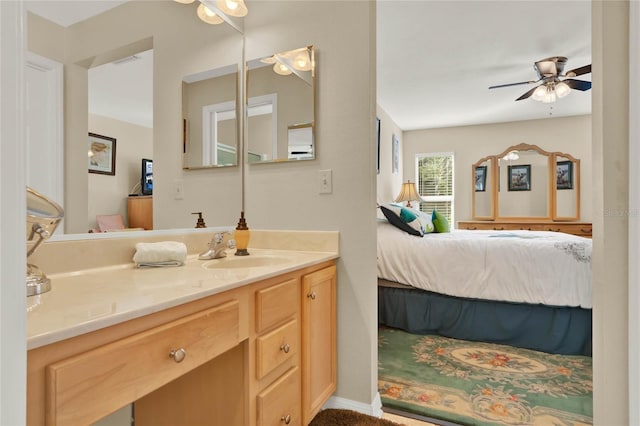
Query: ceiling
{"type": "Point", "coordinates": [435, 59]}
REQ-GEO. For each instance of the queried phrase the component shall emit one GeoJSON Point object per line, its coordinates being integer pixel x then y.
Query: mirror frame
{"type": "Point", "coordinates": [492, 189]}
{"type": "Point", "coordinates": [552, 213]}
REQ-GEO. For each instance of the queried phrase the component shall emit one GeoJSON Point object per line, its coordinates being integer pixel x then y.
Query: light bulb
{"type": "Point", "coordinates": [562, 89]}
{"type": "Point", "coordinates": [281, 69]}
{"type": "Point", "coordinates": [235, 8]}
{"type": "Point", "coordinates": [539, 93]}
{"type": "Point", "coordinates": [206, 15]}
{"type": "Point", "coordinates": [302, 62]}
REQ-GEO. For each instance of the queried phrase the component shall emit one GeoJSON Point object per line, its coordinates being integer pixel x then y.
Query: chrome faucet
{"type": "Point", "coordinates": [217, 246]}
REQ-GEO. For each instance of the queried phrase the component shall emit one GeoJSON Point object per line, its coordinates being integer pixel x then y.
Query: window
{"type": "Point", "coordinates": [435, 183]}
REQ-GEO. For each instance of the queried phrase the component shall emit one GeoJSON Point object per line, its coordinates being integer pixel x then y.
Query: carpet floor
{"type": "Point", "coordinates": [474, 383]}
{"type": "Point", "coordinates": [334, 417]}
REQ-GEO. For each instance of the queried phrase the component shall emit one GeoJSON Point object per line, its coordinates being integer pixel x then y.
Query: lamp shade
{"type": "Point", "coordinates": [206, 15]}
{"type": "Point", "coordinates": [408, 193]}
{"type": "Point", "coordinates": [235, 8]}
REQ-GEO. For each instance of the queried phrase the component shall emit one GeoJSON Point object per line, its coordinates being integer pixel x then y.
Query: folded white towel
{"type": "Point", "coordinates": [164, 253]}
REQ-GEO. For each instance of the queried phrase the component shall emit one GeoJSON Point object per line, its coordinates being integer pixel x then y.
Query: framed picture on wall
{"type": "Point", "coordinates": [395, 149]}
{"type": "Point", "coordinates": [480, 178]}
{"type": "Point", "coordinates": [519, 177]}
{"type": "Point", "coordinates": [102, 154]}
{"type": "Point", "coordinates": [378, 147]}
{"type": "Point", "coordinates": [564, 175]}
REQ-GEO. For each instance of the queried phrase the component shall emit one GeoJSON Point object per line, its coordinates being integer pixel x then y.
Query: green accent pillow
{"type": "Point", "coordinates": [440, 223]}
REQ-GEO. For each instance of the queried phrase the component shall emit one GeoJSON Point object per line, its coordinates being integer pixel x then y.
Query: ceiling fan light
{"type": "Point", "coordinates": [235, 8]}
{"type": "Point", "coordinates": [540, 93]}
{"type": "Point", "coordinates": [206, 15]}
{"type": "Point", "coordinates": [562, 89]}
{"type": "Point", "coordinates": [281, 69]}
{"type": "Point", "coordinates": [549, 97]}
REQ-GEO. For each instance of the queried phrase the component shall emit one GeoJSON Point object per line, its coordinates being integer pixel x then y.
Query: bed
{"type": "Point", "coordinates": [529, 289]}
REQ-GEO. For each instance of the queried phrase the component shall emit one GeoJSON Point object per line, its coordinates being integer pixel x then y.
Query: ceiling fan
{"type": "Point", "coordinates": [555, 84]}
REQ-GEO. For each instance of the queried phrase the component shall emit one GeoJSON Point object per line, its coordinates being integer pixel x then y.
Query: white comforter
{"type": "Point", "coordinates": [549, 268]}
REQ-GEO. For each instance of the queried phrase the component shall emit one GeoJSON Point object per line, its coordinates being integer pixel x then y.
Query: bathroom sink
{"type": "Point", "coordinates": [251, 261]}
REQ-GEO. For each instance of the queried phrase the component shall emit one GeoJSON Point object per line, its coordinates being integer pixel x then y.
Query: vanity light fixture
{"type": "Point", "coordinates": [206, 15]}
{"type": "Point", "coordinates": [235, 8]}
{"type": "Point", "coordinates": [408, 193]}
{"type": "Point", "coordinates": [281, 69]}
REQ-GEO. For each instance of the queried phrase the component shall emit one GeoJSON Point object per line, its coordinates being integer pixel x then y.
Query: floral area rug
{"type": "Point", "coordinates": [474, 383]}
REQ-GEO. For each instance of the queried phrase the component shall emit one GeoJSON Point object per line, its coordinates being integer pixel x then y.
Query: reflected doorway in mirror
{"type": "Point", "coordinates": [480, 178]}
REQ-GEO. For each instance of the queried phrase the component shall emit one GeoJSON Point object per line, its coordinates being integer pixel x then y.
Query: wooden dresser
{"type": "Point", "coordinates": [140, 211]}
{"type": "Point", "coordinates": [582, 229]}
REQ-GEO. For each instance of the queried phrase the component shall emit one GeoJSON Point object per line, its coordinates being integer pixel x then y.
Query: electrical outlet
{"type": "Point", "coordinates": [178, 189]}
{"type": "Point", "coordinates": [324, 182]}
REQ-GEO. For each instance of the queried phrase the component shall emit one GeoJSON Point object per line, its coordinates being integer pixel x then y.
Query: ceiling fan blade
{"type": "Point", "coordinates": [579, 71]}
{"type": "Point", "coordinates": [527, 94]}
{"type": "Point", "coordinates": [578, 84]}
{"type": "Point", "coordinates": [512, 84]}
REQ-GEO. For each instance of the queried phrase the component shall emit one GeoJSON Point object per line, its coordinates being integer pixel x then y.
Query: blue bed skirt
{"type": "Point", "coordinates": [558, 330]}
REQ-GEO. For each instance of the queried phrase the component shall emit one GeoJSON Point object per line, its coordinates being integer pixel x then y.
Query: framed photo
{"type": "Point", "coordinates": [519, 177]}
{"type": "Point", "coordinates": [564, 173]}
{"type": "Point", "coordinates": [395, 145]}
{"type": "Point", "coordinates": [480, 178]}
{"type": "Point", "coordinates": [102, 154]}
{"type": "Point", "coordinates": [378, 141]}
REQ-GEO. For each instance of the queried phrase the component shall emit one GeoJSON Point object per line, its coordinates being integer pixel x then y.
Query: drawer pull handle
{"type": "Point", "coordinates": [586, 231]}
{"type": "Point", "coordinates": [499, 229]}
{"type": "Point", "coordinates": [472, 228]}
{"type": "Point", "coordinates": [178, 355]}
{"type": "Point", "coordinates": [286, 419]}
{"type": "Point", "coordinates": [312, 295]}
{"type": "Point", "coordinates": [554, 230]}
{"type": "Point", "coordinates": [285, 348]}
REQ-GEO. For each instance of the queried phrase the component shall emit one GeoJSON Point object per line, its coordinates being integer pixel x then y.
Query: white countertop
{"type": "Point", "coordinates": [88, 300]}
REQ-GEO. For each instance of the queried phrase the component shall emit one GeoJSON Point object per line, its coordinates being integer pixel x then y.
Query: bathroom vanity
{"type": "Point", "coordinates": [217, 342]}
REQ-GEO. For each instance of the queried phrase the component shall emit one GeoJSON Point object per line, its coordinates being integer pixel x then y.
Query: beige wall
{"type": "Point", "coordinates": [285, 196]}
{"type": "Point", "coordinates": [469, 144]}
{"type": "Point", "coordinates": [108, 194]}
{"type": "Point", "coordinates": [388, 183]}
{"type": "Point", "coordinates": [610, 92]}
{"type": "Point", "coordinates": [278, 196]}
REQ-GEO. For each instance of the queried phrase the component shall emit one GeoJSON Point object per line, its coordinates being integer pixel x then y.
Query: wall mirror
{"type": "Point", "coordinates": [186, 46]}
{"type": "Point", "coordinates": [209, 114]}
{"type": "Point", "coordinates": [281, 107]}
{"type": "Point", "coordinates": [525, 182]}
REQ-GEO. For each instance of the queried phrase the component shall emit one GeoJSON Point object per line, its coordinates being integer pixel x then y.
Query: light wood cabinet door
{"type": "Point", "coordinates": [319, 340]}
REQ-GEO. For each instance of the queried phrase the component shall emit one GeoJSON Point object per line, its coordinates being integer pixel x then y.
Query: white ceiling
{"type": "Point", "coordinates": [435, 59]}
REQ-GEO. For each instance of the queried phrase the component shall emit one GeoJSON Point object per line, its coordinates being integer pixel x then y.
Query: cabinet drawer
{"type": "Point", "coordinates": [86, 387]}
{"type": "Point", "coordinates": [276, 347]}
{"type": "Point", "coordinates": [279, 404]}
{"type": "Point", "coordinates": [276, 303]}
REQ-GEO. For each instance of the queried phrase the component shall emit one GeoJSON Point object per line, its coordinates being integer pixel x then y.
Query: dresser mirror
{"type": "Point", "coordinates": [209, 118]}
{"type": "Point", "coordinates": [482, 201]}
{"type": "Point", "coordinates": [281, 107]}
{"type": "Point", "coordinates": [526, 183]}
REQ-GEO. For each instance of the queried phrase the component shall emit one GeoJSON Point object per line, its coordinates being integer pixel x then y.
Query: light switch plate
{"type": "Point", "coordinates": [324, 182]}
{"type": "Point", "coordinates": [178, 189]}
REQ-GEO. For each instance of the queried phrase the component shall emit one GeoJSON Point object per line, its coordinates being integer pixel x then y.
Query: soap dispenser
{"type": "Point", "coordinates": [241, 235]}
{"type": "Point", "coordinates": [200, 223]}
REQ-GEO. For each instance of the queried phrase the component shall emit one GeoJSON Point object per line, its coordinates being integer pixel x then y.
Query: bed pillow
{"type": "Point", "coordinates": [440, 223]}
{"type": "Point", "coordinates": [427, 223]}
{"type": "Point", "coordinates": [403, 218]}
